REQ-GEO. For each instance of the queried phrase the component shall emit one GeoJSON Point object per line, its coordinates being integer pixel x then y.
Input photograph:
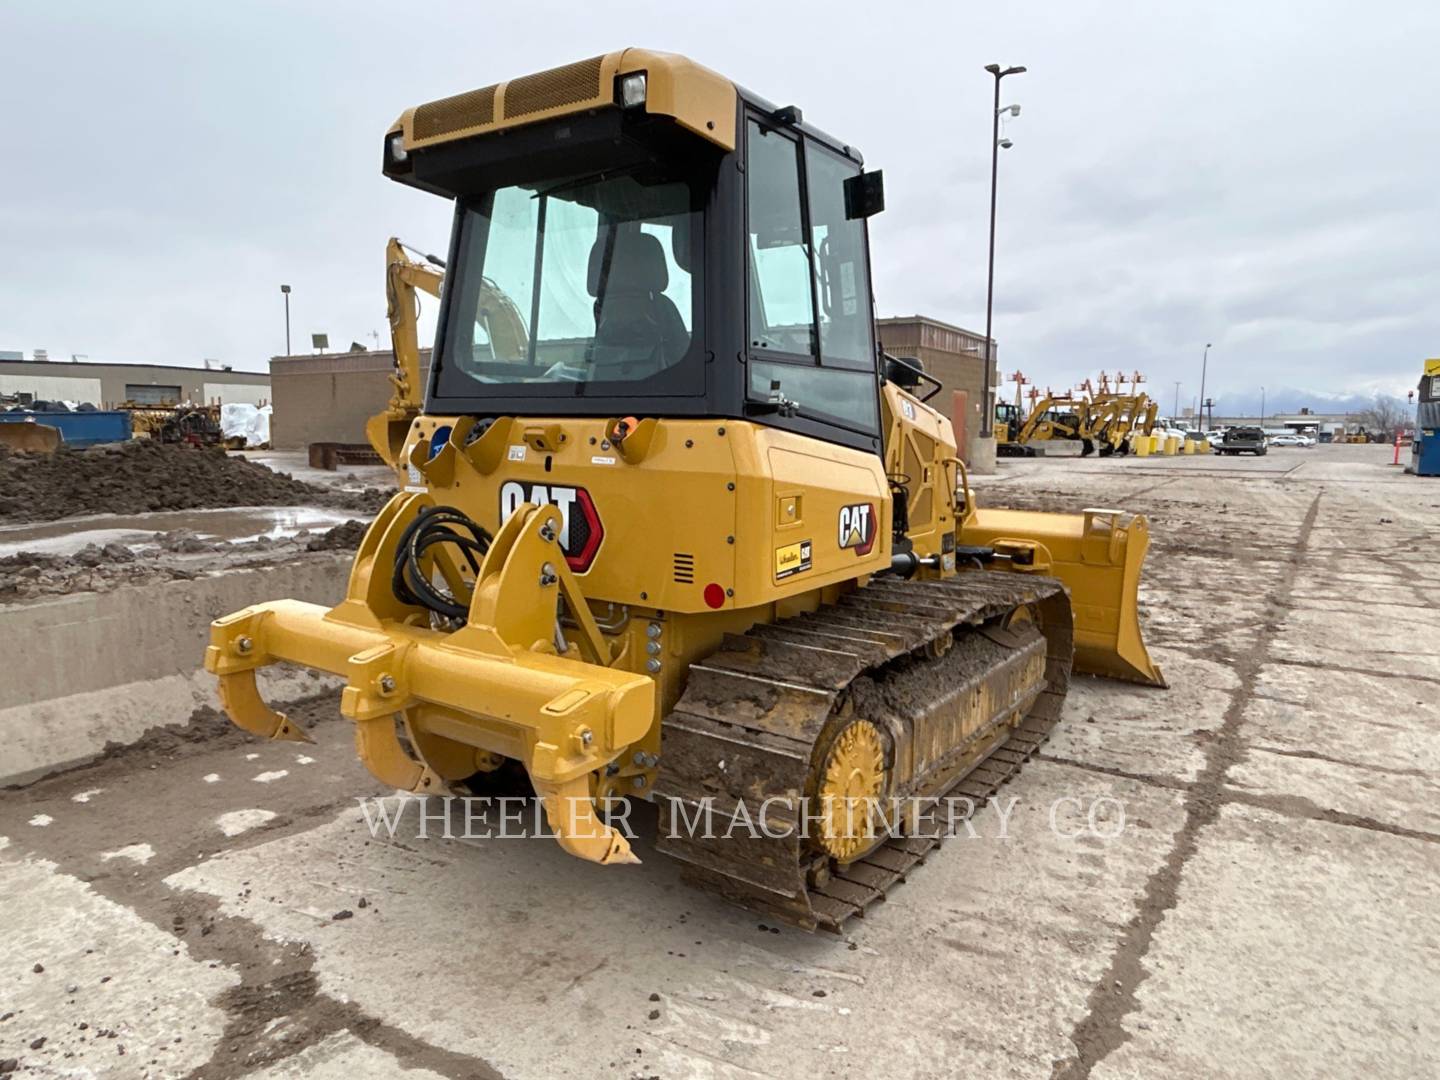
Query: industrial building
{"type": "Point", "coordinates": [328, 397]}
{"type": "Point", "coordinates": [108, 385]}
{"type": "Point", "coordinates": [1327, 424]}
{"type": "Point", "coordinates": [953, 355]}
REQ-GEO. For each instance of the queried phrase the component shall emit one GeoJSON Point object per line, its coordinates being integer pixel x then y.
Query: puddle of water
{"type": "Point", "coordinates": [231, 523]}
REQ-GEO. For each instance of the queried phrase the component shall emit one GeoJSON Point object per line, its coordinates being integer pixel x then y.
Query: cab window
{"type": "Point", "coordinates": [809, 297]}
{"type": "Point", "coordinates": [782, 315]}
{"type": "Point", "coordinates": [841, 274]}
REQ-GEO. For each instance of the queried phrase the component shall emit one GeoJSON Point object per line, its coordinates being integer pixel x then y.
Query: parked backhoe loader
{"type": "Point", "coordinates": [681, 532]}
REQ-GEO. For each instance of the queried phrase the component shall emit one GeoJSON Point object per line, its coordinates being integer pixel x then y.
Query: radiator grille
{"type": "Point", "coordinates": [454, 113]}
{"type": "Point", "coordinates": [684, 569]}
{"type": "Point", "coordinates": [566, 85]}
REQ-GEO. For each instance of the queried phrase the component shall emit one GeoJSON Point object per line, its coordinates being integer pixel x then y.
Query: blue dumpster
{"type": "Point", "coordinates": [78, 428]}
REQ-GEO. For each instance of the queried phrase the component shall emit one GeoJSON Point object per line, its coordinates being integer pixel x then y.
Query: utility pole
{"type": "Point", "coordinates": [286, 290]}
{"type": "Point", "coordinates": [1204, 363]}
{"type": "Point", "coordinates": [987, 408]}
{"type": "Point", "coordinates": [1175, 412]}
{"type": "Point", "coordinates": [1262, 408]}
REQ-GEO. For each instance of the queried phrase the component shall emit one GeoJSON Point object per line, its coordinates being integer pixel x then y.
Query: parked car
{"type": "Point", "coordinates": [1243, 440]}
{"type": "Point", "coordinates": [1291, 440]}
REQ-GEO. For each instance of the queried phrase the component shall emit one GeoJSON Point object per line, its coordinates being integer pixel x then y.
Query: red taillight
{"type": "Point", "coordinates": [714, 595]}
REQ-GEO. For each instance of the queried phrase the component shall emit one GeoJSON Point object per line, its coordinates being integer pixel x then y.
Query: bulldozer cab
{"type": "Point", "coordinates": [618, 261]}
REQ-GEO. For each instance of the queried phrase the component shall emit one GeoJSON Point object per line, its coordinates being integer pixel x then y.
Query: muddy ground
{"type": "Point", "coordinates": [143, 476]}
{"type": "Point", "coordinates": [173, 555]}
{"type": "Point", "coordinates": [1238, 876]}
{"type": "Point", "coordinates": [143, 513]}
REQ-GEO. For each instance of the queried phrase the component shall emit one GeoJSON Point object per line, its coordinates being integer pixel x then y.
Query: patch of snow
{"type": "Point", "coordinates": [141, 853]}
{"type": "Point", "coordinates": [238, 821]}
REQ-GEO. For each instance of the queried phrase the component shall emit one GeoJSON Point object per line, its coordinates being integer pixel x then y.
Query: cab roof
{"type": "Point", "coordinates": [697, 98]}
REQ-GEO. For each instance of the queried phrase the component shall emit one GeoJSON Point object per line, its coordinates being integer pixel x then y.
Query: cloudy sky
{"type": "Point", "coordinates": [1263, 175]}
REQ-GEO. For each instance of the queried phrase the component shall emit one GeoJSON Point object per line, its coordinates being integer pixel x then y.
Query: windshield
{"type": "Point", "coordinates": [570, 283]}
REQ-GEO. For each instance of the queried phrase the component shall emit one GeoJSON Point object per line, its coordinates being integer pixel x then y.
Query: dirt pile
{"type": "Point", "coordinates": [343, 537]}
{"type": "Point", "coordinates": [179, 555]}
{"type": "Point", "coordinates": [91, 569]}
{"type": "Point", "coordinates": [141, 476]}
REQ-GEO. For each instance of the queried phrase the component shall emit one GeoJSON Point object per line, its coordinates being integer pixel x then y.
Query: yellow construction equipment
{"type": "Point", "coordinates": [681, 532]}
{"type": "Point", "coordinates": [405, 279]}
{"type": "Point", "coordinates": [1110, 415]}
{"type": "Point", "coordinates": [30, 437]}
{"type": "Point", "coordinates": [1106, 417]}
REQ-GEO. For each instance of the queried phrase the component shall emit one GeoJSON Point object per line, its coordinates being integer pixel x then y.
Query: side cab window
{"type": "Point", "coordinates": [811, 345]}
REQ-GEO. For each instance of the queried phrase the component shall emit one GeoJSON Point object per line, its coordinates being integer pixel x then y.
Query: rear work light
{"type": "Point", "coordinates": [632, 90]}
{"type": "Point", "coordinates": [395, 148]}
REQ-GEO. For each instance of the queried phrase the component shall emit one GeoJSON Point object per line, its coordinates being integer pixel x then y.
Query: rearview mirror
{"type": "Point", "coordinates": [864, 195]}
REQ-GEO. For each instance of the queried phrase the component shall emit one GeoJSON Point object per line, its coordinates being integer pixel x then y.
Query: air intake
{"type": "Point", "coordinates": [455, 113]}
{"type": "Point", "coordinates": [551, 89]}
{"type": "Point", "coordinates": [684, 569]}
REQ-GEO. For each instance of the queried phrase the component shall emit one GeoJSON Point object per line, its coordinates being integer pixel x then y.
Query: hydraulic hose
{"type": "Point", "coordinates": [436, 525]}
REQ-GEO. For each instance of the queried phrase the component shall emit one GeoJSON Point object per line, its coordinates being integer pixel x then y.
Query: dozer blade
{"type": "Point", "coordinates": [1098, 554]}
{"type": "Point", "coordinates": [30, 438]}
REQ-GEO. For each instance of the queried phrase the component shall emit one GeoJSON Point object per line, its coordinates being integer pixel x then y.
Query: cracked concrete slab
{"type": "Point", "coordinates": [1385, 640]}
{"type": "Point", "coordinates": [1298, 948]}
{"type": "Point", "coordinates": [1110, 725]}
{"type": "Point", "coordinates": [1370, 748]}
{"type": "Point", "coordinates": [340, 1057]}
{"type": "Point", "coordinates": [1011, 927]}
{"type": "Point", "coordinates": [91, 988]}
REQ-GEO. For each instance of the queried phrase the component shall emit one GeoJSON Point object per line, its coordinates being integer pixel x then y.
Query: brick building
{"type": "Point", "coordinates": [951, 354]}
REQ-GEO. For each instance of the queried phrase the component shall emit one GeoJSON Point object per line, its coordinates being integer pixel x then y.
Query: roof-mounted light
{"type": "Point", "coordinates": [632, 90]}
{"type": "Point", "coordinates": [395, 148]}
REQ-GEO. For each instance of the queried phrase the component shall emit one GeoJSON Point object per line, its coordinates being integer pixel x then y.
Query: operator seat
{"type": "Point", "coordinates": [638, 329]}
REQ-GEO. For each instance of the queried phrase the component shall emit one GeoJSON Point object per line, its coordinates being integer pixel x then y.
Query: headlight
{"type": "Point", "coordinates": [395, 148]}
{"type": "Point", "coordinates": [632, 90]}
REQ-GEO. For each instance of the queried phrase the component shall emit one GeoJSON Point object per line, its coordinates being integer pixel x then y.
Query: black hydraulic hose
{"type": "Point", "coordinates": [436, 525]}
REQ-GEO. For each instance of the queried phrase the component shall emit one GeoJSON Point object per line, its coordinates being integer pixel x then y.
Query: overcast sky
{"type": "Point", "coordinates": [1260, 175]}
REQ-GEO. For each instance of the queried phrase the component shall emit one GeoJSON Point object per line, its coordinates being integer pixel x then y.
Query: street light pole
{"type": "Point", "coordinates": [1262, 408]}
{"type": "Point", "coordinates": [286, 290]}
{"type": "Point", "coordinates": [987, 408]}
{"type": "Point", "coordinates": [1204, 363]}
{"type": "Point", "coordinates": [1175, 412]}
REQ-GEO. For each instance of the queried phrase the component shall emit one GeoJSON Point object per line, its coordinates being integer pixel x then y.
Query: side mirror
{"type": "Point", "coordinates": [864, 195]}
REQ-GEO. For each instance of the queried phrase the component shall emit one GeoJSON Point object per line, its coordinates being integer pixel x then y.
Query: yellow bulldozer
{"type": "Point", "coordinates": [670, 526]}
